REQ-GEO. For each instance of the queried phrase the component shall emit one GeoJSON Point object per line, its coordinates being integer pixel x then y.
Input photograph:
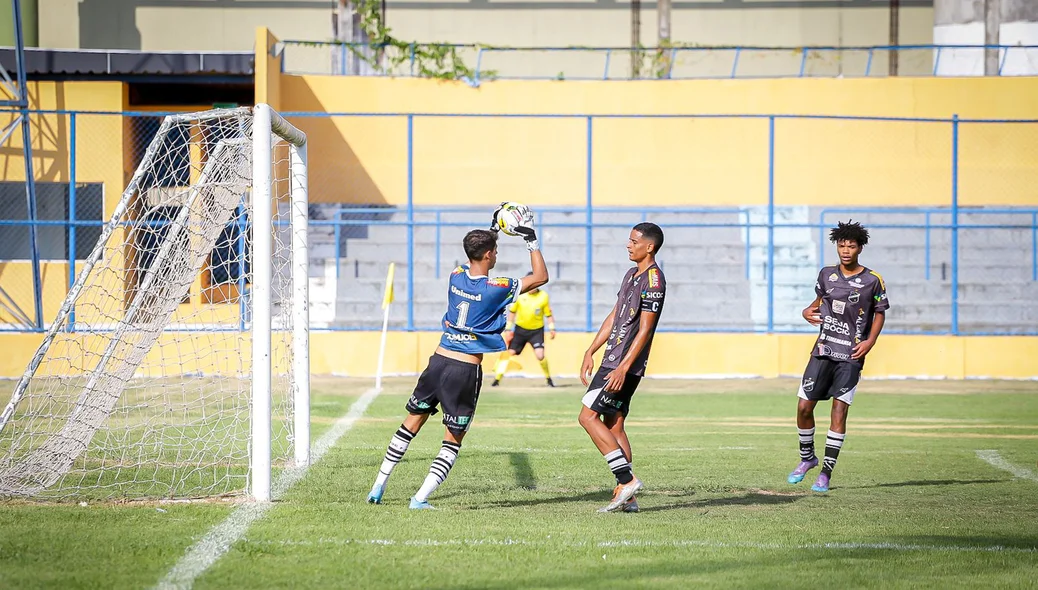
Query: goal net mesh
{"type": "Point", "coordinates": [141, 388]}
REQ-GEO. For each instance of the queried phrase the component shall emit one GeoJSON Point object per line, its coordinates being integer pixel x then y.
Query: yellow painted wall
{"type": "Point", "coordinates": [748, 355]}
{"type": "Point", "coordinates": [267, 70]}
{"type": "Point", "coordinates": [106, 153]}
{"type": "Point", "coordinates": [670, 161]}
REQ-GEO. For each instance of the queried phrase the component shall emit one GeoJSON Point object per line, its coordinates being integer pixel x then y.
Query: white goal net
{"type": "Point", "coordinates": [177, 362]}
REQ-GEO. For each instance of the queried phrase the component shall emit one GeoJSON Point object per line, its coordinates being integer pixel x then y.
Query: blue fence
{"type": "Point", "coordinates": [943, 263]}
{"type": "Point", "coordinates": [676, 62]}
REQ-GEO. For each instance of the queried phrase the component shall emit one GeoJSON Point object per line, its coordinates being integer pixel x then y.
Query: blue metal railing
{"type": "Point", "coordinates": [928, 226]}
{"type": "Point", "coordinates": [788, 61]}
{"type": "Point", "coordinates": [590, 214]}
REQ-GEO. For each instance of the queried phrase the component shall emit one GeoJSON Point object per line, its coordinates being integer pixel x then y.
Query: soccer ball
{"type": "Point", "coordinates": [512, 215]}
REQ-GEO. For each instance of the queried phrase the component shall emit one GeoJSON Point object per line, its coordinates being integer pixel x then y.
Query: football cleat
{"type": "Point", "coordinates": [621, 494]}
{"type": "Point", "coordinates": [375, 495]}
{"type": "Point", "coordinates": [496, 383]}
{"type": "Point", "coordinates": [797, 475]}
{"type": "Point", "coordinates": [821, 484]}
{"type": "Point", "coordinates": [631, 505]}
{"type": "Point", "coordinates": [550, 382]}
{"type": "Point", "coordinates": [416, 505]}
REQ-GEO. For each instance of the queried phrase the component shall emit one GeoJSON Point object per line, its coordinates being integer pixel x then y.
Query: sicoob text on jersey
{"type": "Point", "coordinates": [638, 293]}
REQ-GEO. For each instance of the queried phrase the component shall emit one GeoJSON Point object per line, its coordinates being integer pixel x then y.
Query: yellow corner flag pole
{"type": "Point", "coordinates": [387, 298]}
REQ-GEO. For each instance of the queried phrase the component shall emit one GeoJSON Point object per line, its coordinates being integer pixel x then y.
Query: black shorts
{"type": "Point", "coordinates": [825, 379]}
{"type": "Point", "coordinates": [452, 383]}
{"type": "Point", "coordinates": [522, 336]}
{"type": "Point", "coordinates": [609, 403]}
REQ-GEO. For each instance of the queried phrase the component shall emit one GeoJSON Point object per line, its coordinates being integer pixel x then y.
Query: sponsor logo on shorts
{"type": "Point", "coordinates": [500, 282]}
{"type": "Point", "coordinates": [418, 404]}
{"type": "Point", "coordinates": [612, 357]}
{"type": "Point", "coordinates": [809, 385]}
{"type": "Point", "coordinates": [608, 400]}
{"type": "Point", "coordinates": [845, 389]}
{"type": "Point", "coordinates": [457, 420]}
{"type": "Point", "coordinates": [654, 278]}
{"type": "Point", "coordinates": [854, 297]}
{"type": "Point", "coordinates": [831, 324]}
{"type": "Point", "coordinates": [839, 306]}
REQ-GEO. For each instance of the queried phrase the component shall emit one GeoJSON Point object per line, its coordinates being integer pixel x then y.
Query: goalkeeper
{"type": "Point", "coordinates": [526, 318]}
{"type": "Point", "coordinates": [472, 327]}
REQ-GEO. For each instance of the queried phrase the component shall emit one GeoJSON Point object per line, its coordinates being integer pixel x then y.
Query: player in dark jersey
{"type": "Point", "coordinates": [627, 335]}
{"type": "Point", "coordinates": [850, 306]}
{"type": "Point", "coordinates": [472, 327]}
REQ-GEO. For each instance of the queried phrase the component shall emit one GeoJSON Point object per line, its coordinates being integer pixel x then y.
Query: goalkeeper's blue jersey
{"type": "Point", "coordinates": [475, 314]}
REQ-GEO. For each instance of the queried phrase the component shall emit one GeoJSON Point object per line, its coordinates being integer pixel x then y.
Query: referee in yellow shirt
{"type": "Point", "coordinates": [527, 316]}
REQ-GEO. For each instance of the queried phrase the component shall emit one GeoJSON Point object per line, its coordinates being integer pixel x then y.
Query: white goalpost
{"type": "Point", "coordinates": [178, 363]}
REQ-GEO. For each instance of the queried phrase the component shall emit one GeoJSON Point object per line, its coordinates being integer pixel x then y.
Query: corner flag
{"type": "Point", "coordinates": [388, 297]}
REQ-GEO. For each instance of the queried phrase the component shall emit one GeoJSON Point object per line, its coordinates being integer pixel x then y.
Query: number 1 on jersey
{"type": "Point", "coordinates": [463, 314]}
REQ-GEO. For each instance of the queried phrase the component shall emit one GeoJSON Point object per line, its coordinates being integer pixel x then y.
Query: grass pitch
{"type": "Point", "coordinates": [936, 487]}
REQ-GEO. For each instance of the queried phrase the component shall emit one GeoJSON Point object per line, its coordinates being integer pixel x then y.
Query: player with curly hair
{"type": "Point", "coordinates": [850, 306]}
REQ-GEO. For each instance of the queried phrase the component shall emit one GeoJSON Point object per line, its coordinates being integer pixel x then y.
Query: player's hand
{"type": "Point", "coordinates": [615, 380]}
{"type": "Point", "coordinates": [508, 335]}
{"type": "Point", "coordinates": [586, 369]}
{"type": "Point", "coordinates": [862, 348]}
{"type": "Point", "coordinates": [551, 334]}
{"type": "Point", "coordinates": [812, 315]}
{"type": "Point", "coordinates": [530, 236]}
{"type": "Point", "coordinates": [493, 221]}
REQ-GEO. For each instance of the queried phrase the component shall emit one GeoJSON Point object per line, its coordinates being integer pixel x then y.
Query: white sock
{"type": "Point", "coordinates": [397, 447]}
{"type": "Point", "coordinates": [438, 471]}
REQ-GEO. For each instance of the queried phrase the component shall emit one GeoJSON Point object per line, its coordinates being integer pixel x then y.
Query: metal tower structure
{"type": "Point", "coordinates": [18, 105]}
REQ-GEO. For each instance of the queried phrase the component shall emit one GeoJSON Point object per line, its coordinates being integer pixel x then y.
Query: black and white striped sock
{"type": "Point", "coordinates": [807, 443]}
{"type": "Point", "coordinates": [397, 447]}
{"type": "Point", "coordinates": [439, 470]}
{"type": "Point", "coordinates": [620, 466]}
{"type": "Point", "coordinates": [833, 444]}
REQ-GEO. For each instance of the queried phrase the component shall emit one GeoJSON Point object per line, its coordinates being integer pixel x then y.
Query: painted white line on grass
{"type": "Point", "coordinates": [218, 541]}
{"type": "Point", "coordinates": [677, 544]}
{"type": "Point", "coordinates": [996, 460]}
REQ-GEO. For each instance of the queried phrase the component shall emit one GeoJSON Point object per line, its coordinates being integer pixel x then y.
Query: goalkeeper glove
{"type": "Point", "coordinates": [530, 236]}
{"type": "Point", "coordinates": [525, 229]}
{"type": "Point", "coordinates": [493, 222]}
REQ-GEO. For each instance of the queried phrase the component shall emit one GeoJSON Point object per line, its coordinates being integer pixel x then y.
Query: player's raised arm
{"type": "Point", "coordinates": [539, 276]}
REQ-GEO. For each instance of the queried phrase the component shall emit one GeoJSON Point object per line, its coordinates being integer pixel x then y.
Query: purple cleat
{"type": "Point", "coordinates": [798, 474]}
{"type": "Point", "coordinates": [821, 484]}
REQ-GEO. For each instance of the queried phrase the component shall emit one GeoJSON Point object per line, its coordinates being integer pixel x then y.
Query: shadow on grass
{"type": "Point", "coordinates": [930, 482]}
{"type": "Point", "coordinates": [596, 496]}
{"type": "Point", "coordinates": [749, 499]}
{"type": "Point", "coordinates": [524, 477]}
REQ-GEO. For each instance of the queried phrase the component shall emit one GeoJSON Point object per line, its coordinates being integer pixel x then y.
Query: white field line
{"type": "Point", "coordinates": [995, 460]}
{"type": "Point", "coordinates": [677, 544]}
{"type": "Point", "coordinates": [218, 541]}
